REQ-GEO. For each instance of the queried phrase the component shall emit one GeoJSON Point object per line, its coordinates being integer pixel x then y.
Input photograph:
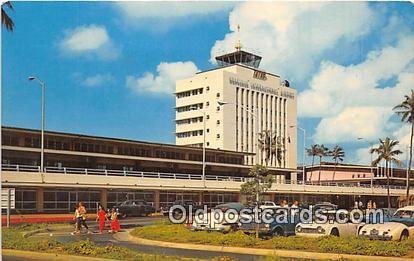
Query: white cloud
{"type": "Point", "coordinates": [89, 40]}
{"type": "Point", "coordinates": [292, 36]}
{"type": "Point", "coordinates": [164, 81]}
{"type": "Point", "coordinates": [352, 123]}
{"type": "Point", "coordinates": [349, 99]}
{"type": "Point", "coordinates": [164, 14]}
{"type": "Point", "coordinates": [98, 80]}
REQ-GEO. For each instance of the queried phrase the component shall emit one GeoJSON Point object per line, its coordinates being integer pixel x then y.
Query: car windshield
{"type": "Point", "coordinates": [403, 214]}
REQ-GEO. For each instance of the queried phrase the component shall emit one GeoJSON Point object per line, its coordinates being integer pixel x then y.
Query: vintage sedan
{"type": "Point", "coordinates": [134, 208]}
{"type": "Point", "coordinates": [283, 223]}
{"type": "Point", "coordinates": [229, 222]}
{"type": "Point", "coordinates": [399, 227]}
{"type": "Point", "coordinates": [330, 228]}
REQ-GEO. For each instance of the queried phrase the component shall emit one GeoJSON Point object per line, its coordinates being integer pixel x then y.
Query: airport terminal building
{"type": "Point", "coordinates": [241, 114]}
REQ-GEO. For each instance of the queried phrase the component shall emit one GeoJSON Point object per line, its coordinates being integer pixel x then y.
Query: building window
{"type": "Point", "coordinates": [207, 104]}
{"type": "Point", "coordinates": [207, 130]}
{"type": "Point", "coordinates": [207, 143]}
{"type": "Point", "coordinates": [208, 88]}
{"type": "Point", "coordinates": [218, 136]}
{"type": "Point", "coordinates": [218, 122]}
{"type": "Point", "coordinates": [207, 117]}
{"type": "Point", "coordinates": [218, 95]}
{"type": "Point", "coordinates": [218, 108]}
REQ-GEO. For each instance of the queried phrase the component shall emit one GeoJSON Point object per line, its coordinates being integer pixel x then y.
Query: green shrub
{"type": "Point", "coordinates": [329, 244]}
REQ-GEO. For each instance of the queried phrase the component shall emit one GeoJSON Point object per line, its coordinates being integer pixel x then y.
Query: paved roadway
{"type": "Point", "coordinates": [105, 239]}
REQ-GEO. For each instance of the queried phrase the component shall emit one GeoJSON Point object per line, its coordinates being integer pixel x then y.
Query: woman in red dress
{"type": "Point", "coordinates": [101, 217]}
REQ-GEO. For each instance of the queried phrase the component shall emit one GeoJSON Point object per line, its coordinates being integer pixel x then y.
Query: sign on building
{"type": "Point", "coordinates": [5, 197]}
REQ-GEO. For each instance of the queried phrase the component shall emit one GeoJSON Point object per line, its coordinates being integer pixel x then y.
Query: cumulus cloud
{"type": "Point", "coordinates": [163, 15]}
{"type": "Point", "coordinates": [89, 40]}
{"type": "Point", "coordinates": [351, 101]}
{"type": "Point", "coordinates": [352, 123]}
{"type": "Point", "coordinates": [292, 36]}
{"type": "Point", "coordinates": [98, 80]}
{"type": "Point", "coordinates": [164, 81]}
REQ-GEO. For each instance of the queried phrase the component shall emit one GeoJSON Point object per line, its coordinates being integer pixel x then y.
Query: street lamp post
{"type": "Point", "coordinates": [372, 169]}
{"type": "Point", "coordinates": [42, 143]}
{"type": "Point", "coordinates": [304, 154]}
{"type": "Point", "coordinates": [222, 103]}
{"type": "Point", "coordinates": [203, 175]}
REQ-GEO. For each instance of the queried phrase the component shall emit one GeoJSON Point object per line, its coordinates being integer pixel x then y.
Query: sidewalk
{"type": "Point", "coordinates": [256, 251]}
{"type": "Point", "coordinates": [41, 218]}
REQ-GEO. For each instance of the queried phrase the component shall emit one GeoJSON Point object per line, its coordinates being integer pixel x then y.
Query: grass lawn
{"type": "Point", "coordinates": [329, 244]}
{"type": "Point", "coordinates": [12, 238]}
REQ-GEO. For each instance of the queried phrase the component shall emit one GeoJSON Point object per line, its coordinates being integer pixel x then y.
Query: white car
{"type": "Point", "coordinates": [329, 228]}
{"type": "Point", "coordinates": [229, 222]}
{"type": "Point", "coordinates": [400, 226]}
{"type": "Point", "coordinates": [269, 205]}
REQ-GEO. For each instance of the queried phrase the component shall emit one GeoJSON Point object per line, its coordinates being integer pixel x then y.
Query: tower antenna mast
{"type": "Point", "coordinates": [238, 45]}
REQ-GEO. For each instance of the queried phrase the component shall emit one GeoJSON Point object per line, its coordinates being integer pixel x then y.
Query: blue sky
{"type": "Point", "coordinates": [109, 67]}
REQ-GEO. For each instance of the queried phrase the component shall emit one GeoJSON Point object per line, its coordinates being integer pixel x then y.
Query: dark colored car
{"type": "Point", "coordinates": [177, 212]}
{"type": "Point", "coordinates": [134, 208]}
{"type": "Point", "coordinates": [279, 227]}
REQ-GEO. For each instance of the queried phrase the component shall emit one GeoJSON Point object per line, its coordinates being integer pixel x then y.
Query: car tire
{"type": "Point", "coordinates": [278, 232]}
{"type": "Point", "coordinates": [335, 232]}
{"type": "Point", "coordinates": [404, 235]}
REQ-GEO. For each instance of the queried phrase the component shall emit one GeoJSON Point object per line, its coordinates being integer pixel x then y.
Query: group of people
{"type": "Point", "coordinates": [370, 205]}
{"type": "Point", "coordinates": [101, 217]}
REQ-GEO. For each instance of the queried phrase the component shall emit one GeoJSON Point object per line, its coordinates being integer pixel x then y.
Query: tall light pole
{"type": "Point", "coordinates": [372, 169]}
{"type": "Point", "coordinates": [304, 153]}
{"type": "Point", "coordinates": [222, 103]}
{"type": "Point", "coordinates": [203, 176]}
{"type": "Point", "coordinates": [42, 143]}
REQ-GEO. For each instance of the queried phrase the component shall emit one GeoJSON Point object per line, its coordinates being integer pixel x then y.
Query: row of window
{"type": "Point", "coordinates": [118, 149]}
{"type": "Point", "coordinates": [189, 121]}
{"type": "Point", "coordinates": [189, 93]}
{"type": "Point", "coordinates": [190, 133]}
{"type": "Point", "coordinates": [197, 106]}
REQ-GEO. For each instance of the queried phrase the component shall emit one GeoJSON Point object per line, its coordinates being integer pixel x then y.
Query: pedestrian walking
{"type": "Point", "coordinates": [82, 212]}
{"type": "Point", "coordinates": [115, 226]}
{"type": "Point", "coordinates": [77, 219]}
{"type": "Point", "coordinates": [101, 218]}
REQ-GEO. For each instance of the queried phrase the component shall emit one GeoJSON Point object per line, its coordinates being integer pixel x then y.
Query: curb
{"type": "Point", "coordinates": [261, 251]}
{"type": "Point", "coordinates": [46, 256]}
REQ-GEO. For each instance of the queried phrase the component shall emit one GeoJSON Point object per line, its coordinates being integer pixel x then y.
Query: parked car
{"type": "Point", "coordinates": [268, 205]}
{"type": "Point", "coordinates": [399, 227]}
{"type": "Point", "coordinates": [134, 208]}
{"type": "Point", "coordinates": [277, 227]}
{"type": "Point", "coordinates": [331, 227]}
{"type": "Point", "coordinates": [177, 213]}
{"type": "Point", "coordinates": [223, 226]}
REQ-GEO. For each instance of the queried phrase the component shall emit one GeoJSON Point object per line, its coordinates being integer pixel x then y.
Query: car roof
{"type": "Point", "coordinates": [410, 208]}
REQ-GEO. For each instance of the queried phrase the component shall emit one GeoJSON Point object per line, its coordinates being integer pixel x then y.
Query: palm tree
{"type": "Point", "coordinates": [387, 153]}
{"type": "Point", "coordinates": [322, 151]}
{"type": "Point", "coordinates": [406, 111]}
{"type": "Point", "coordinates": [6, 21]}
{"type": "Point", "coordinates": [337, 154]}
{"type": "Point", "coordinates": [276, 149]}
{"type": "Point", "coordinates": [313, 152]}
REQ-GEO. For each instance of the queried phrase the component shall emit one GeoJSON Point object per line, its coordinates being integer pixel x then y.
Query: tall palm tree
{"type": "Point", "coordinates": [406, 111]}
{"type": "Point", "coordinates": [313, 152]}
{"type": "Point", "coordinates": [265, 142]}
{"type": "Point", "coordinates": [6, 21]}
{"type": "Point", "coordinates": [386, 152]}
{"type": "Point", "coordinates": [276, 149]}
{"type": "Point", "coordinates": [322, 151]}
{"type": "Point", "coordinates": [337, 154]}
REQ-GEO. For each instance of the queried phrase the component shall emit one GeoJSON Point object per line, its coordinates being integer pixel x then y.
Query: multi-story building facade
{"type": "Point", "coordinates": [108, 171]}
{"type": "Point", "coordinates": [241, 108]}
